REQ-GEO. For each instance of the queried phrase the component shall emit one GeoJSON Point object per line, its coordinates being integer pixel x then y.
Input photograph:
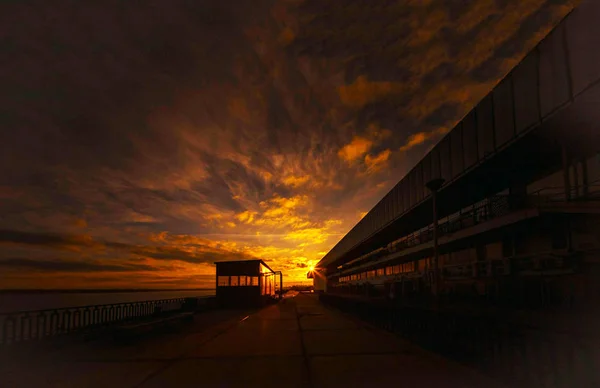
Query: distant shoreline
{"type": "Point", "coordinates": [96, 291]}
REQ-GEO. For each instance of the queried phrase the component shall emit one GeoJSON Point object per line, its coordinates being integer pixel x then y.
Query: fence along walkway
{"type": "Point", "coordinates": [36, 325]}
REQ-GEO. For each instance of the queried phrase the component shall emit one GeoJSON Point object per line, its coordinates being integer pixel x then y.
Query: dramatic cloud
{"type": "Point", "coordinates": [142, 142]}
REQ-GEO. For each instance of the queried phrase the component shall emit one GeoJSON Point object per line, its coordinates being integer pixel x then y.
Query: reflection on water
{"type": "Point", "coordinates": [47, 300]}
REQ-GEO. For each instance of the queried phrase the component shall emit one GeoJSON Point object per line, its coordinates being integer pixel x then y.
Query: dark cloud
{"type": "Point", "coordinates": [198, 257]}
{"type": "Point", "coordinates": [441, 115]}
{"type": "Point", "coordinates": [42, 239]}
{"type": "Point", "coordinates": [71, 266]}
{"type": "Point", "coordinates": [201, 254]}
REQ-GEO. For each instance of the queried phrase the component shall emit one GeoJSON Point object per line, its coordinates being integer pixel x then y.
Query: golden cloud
{"type": "Point", "coordinates": [246, 216]}
{"type": "Point", "coordinates": [421, 137]}
{"type": "Point", "coordinates": [308, 235]}
{"type": "Point", "coordinates": [295, 181]}
{"type": "Point", "coordinates": [355, 149]}
{"type": "Point", "coordinates": [377, 162]}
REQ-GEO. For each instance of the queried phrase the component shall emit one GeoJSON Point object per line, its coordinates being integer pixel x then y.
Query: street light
{"type": "Point", "coordinates": [434, 185]}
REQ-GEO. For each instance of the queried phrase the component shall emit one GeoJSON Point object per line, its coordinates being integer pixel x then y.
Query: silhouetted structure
{"type": "Point", "coordinates": [246, 283]}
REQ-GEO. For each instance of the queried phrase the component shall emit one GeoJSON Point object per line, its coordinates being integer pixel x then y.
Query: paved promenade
{"type": "Point", "coordinates": [296, 343]}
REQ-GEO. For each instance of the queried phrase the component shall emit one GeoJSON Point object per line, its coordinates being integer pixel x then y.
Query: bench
{"type": "Point", "coordinates": [130, 331]}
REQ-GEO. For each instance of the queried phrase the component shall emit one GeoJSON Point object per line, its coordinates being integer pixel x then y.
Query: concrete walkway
{"type": "Point", "coordinates": [296, 343]}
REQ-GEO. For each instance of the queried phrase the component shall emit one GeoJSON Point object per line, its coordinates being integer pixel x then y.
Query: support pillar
{"type": "Point", "coordinates": [584, 178]}
{"type": "Point", "coordinates": [435, 185]}
{"type": "Point", "coordinates": [567, 180]}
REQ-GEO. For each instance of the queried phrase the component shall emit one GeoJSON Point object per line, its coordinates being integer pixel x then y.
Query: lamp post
{"type": "Point", "coordinates": [434, 185]}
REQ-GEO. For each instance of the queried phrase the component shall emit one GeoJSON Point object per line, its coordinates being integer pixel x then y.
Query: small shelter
{"type": "Point", "coordinates": [246, 283]}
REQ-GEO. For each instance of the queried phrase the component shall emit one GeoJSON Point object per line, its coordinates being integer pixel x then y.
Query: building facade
{"type": "Point", "coordinates": [519, 209]}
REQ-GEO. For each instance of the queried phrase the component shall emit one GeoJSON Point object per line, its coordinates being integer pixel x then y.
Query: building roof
{"type": "Point", "coordinates": [245, 261]}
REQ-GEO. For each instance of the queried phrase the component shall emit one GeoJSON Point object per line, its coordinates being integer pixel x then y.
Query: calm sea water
{"type": "Point", "coordinates": [46, 300]}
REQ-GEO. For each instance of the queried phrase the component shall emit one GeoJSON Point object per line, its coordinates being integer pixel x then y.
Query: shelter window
{"type": "Point", "coordinates": [235, 281]}
{"type": "Point", "coordinates": [254, 280]}
{"type": "Point", "coordinates": [243, 280]}
{"type": "Point", "coordinates": [380, 272]}
{"type": "Point", "coordinates": [223, 281]}
{"type": "Point", "coordinates": [397, 269]}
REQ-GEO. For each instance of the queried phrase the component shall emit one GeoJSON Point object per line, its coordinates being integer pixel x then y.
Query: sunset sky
{"type": "Point", "coordinates": [142, 141]}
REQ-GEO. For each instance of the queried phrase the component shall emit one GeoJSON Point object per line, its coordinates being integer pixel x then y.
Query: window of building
{"type": "Point", "coordinates": [243, 281]}
{"type": "Point", "coordinates": [388, 271]}
{"type": "Point", "coordinates": [380, 272]}
{"type": "Point", "coordinates": [234, 281]}
{"type": "Point", "coordinates": [223, 281]}
{"type": "Point", "coordinates": [254, 281]}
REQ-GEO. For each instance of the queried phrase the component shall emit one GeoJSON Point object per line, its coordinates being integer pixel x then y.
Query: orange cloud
{"type": "Point", "coordinates": [246, 216]}
{"type": "Point", "coordinates": [355, 149]}
{"type": "Point", "coordinates": [378, 134]}
{"type": "Point", "coordinates": [295, 181]}
{"type": "Point", "coordinates": [377, 162]}
{"type": "Point", "coordinates": [362, 92]}
{"type": "Point", "coordinates": [421, 137]}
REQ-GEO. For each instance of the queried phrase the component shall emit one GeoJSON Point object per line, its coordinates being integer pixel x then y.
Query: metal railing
{"type": "Point", "coordinates": [484, 211]}
{"type": "Point", "coordinates": [36, 325]}
{"type": "Point", "coordinates": [559, 194]}
{"type": "Point", "coordinates": [528, 263]}
{"type": "Point", "coordinates": [492, 207]}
